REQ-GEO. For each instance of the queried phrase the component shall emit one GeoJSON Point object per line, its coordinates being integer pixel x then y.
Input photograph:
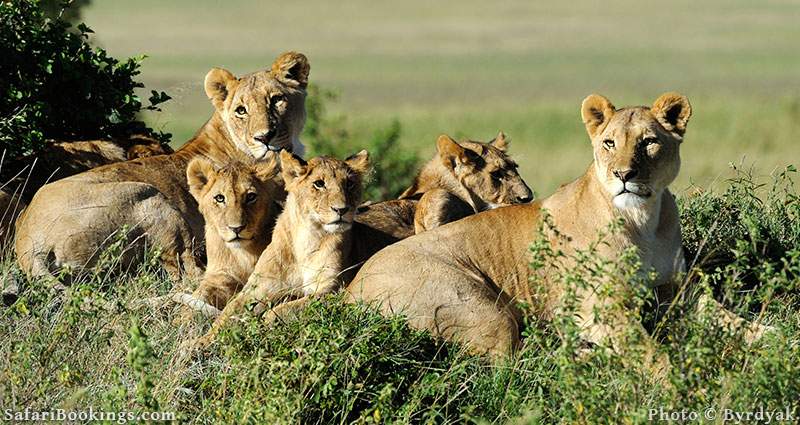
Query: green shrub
{"type": "Point", "coordinates": [394, 168]}
{"type": "Point", "coordinates": [55, 85]}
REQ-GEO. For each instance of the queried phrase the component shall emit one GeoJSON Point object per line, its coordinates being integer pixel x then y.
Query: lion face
{"type": "Point", "coordinates": [234, 199]}
{"type": "Point", "coordinates": [263, 111]}
{"type": "Point", "coordinates": [485, 170]}
{"type": "Point", "coordinates": [325, 190]}
{"type": "Point", "coordinates": [636, 150]}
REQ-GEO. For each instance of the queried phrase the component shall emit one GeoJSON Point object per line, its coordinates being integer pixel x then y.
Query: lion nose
{"type": "Point", "coordinates": [265, 137]}
{"type": "Point", "coordinates": [341, 210]}
{"type": "Point", "coordinates": [626, 175]}
{"type": "Point", "coordinates": [236, 229]}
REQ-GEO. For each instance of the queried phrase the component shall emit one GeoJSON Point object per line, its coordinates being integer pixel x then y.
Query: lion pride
{"type": "Point", "coordinates": [70, 221]}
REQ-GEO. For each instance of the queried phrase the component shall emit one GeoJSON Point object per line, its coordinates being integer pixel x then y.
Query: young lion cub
{"type": "Point", "coordinates": [311, 242]}
{"type": "Point", "coordinates": [236, 201]}
{"type": "Point", "coordinates": [463, 179]}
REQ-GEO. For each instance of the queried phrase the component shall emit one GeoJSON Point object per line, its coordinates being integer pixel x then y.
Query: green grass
{"type": "Point", "coordinates": [472, 68]}
{"type": "Point", "coordinates": [97, 344]}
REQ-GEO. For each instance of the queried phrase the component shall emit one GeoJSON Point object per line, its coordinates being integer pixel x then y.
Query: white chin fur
{"type": "Point", "coordinates": [259, 152]}
{"type": "Point", "coordinates": [234, 244]}
{"type": "Point", "coordinates": [336, 227]}
{"type": "Point", "coordinates": [629, 200]}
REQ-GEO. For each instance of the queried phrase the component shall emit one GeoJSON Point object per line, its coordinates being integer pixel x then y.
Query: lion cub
{"type": "Point", "coordinates": [236, 201]}
{"type": "Point", "coordinates": [311, 242]}
{"type": "Point", "coordinates": [463, 179]}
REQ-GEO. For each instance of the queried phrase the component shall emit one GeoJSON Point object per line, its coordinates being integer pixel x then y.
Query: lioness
{"type": "Point", "coordinates": [463, 179]}
{"type": "Point", "coordinates": [310, 246]}
{"type": "Point", "coordinates": [461, 281]}
{"type": "Point", "coordinates": [237, 203]}
{"type": "Point", "coordinates": [69, 221]}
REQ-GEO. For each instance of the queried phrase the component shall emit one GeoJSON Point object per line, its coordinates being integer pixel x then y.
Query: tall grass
{"type": "Point", "coordinates": [96, 344]}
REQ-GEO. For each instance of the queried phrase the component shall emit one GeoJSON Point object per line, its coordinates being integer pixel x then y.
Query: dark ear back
{"type": "Point", "coordinates": [199, 173]}
{"type": "Point", "coordinates": [219, 85]}
{"type": "Point", "coordinates": [292, 69]}
{"type": "Point", "coordinates": [673, 111]}
{"type": "Point", "coordinates": [292, 167]}
{"type": "Point", "coordinates": [596, 112]}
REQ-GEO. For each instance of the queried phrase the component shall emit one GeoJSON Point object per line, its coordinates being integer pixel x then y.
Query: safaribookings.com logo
{"type": "Point", "coordinates": [88, 415]}
{"type": "Point", "coordinates": [759, 415]}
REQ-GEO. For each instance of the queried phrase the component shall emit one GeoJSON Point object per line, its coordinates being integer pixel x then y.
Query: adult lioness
{"type": "Point", "coordinates": [70, 220]}
{"type": "Point", "coordinates": [461, 280]}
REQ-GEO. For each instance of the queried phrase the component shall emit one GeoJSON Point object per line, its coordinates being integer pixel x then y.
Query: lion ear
{"type": "Point", "coordinates": [292, 167]}
{"type": "Point", "coordinates": [501, 141]}
{"type": "Point", "coordinates": [292, 69]}
{"type": "Point", "coordinates": [359, 162]}
{"type": "Point", "coordinates": [596, 112]}
{"type": "Point", "coordinates": [450, 152]}
{"type": "Point", "coordinates": [672, 110]}
{"type": "Point", "coordinates": [267, 169]}
{"type": "Point", "coordinates": [198, 173]}
{"type": "Point", "coordinates": [219, 85]}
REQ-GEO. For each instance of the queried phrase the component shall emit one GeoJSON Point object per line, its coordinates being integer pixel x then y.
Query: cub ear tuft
{"type": "Point", "coordinates": [219, 84]}
{"type": "Point", "coordinates": [292, 166]}
{"type": "Point", "coordinates": [673, 111]}
{"type": "Point", "coordinates": [501, 141]}
{"type": "Point", "coordinates": [596, 112]}
{"type": "Point", "coordinates": [292, 69]}
{"type": "Point", "coordinates": [198, 174]}
{"type": "Point", "coordinates": [359, 162]}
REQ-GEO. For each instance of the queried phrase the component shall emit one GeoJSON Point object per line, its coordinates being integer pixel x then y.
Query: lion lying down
{"type": "Point", "coordinates": [462, 281]}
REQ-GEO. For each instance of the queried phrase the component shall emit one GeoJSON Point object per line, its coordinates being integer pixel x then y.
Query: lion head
{"type": "Point", "coordinates": [636, 150]}
{"type": "Point", "coordinates": [263, 111]}
{"type": "Point", "coordinates": [485, 170]}
{"type": "Point", "coordinates": [235, 199]}
{"type": "Point", "coordinates": [325, 190]}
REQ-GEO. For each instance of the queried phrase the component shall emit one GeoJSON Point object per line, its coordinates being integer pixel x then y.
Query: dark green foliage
{"type": "Point", "coordinates": [747, 238]}
{"type": "Point", "coordinates": [55, 85]}
{"type": "Point", "coordinates": [394, 168]}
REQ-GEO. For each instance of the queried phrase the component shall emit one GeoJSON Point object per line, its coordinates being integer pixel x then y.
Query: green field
{"type": "Point", "coordinates": [471, 68]}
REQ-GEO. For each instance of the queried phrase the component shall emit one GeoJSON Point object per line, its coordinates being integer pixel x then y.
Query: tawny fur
{"type": "Point", "coordinates": [463, 179]}
{"type": "Point", "coordinates": [69, 221]}
{"type": "Point", "coordinates": [311, 243]}
{"type": "Point", "coordinates": [237, 203]}
{"type": "Point", "coordinates": [463, 281]}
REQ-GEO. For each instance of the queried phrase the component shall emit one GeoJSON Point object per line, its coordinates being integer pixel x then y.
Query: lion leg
{"type": "Point", "coordinates": [610, 326]}
{"type": "Point", "coordinates": [713, 310]}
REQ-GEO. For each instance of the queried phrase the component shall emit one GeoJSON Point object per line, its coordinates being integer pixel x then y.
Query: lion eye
{"type": "Point", "coordinates": [608, 143]}
{"type": "Point", "coordinates": [241, 110]}
{"type": "Point", "coordinates": [219, 198]}
{"type": "Point", "coordinates": [498, 175]}
{"type": "Point", "coordinates": [319, 184]}
{"type": "Point", "coordinates": [250, 198]}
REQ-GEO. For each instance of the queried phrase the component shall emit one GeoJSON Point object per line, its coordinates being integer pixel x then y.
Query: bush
{"type": "Point", "coordinates": [55, 85]}
{"type": "Point", "coordinates": [394, 168]}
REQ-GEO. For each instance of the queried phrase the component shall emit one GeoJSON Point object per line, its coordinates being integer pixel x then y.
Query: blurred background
{"type": "Point", "coordinates": [471, 68]}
